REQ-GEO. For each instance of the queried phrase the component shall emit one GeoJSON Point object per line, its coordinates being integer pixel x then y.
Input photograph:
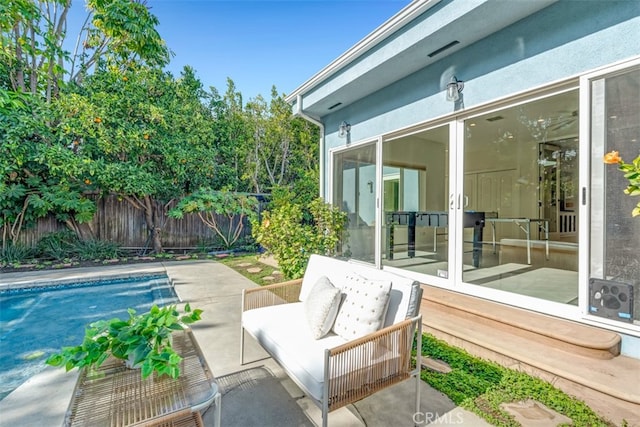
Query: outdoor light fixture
{"type": "Point", "coordinates": [344, 129]}
{"type": "Point", "coordinates": [454, 88]}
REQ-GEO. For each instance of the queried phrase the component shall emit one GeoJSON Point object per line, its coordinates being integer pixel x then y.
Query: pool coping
{"type": "Point", "coordinates": [81, 282]}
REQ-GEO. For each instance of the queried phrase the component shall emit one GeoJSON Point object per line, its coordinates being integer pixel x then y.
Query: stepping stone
{"type": "Point", "coordinates": [268, 278]}
{"type": "Point", "coordinates": [254, 270]}
{"type": "Point", "coordinates": [277, 273]}
{"type": "Point", "coordinates": [531, 413]}
{"type": "Point", "coordinates": [245, 264]}
{"type": "Point", "coordinates": [435, 365]}
{"type": "Point", "coordinates": [183, 257]}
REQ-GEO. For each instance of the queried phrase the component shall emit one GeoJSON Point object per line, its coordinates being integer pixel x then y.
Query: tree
{"type": "Point", "coordinates": [283, 148]}
{"type": "Point", "coordinates": [120, 32]}
{"type": "Point", "coordinates": [230, 138]}
{"type": "Point", "coordinates": [40, 173]}
{"type": "Point", "coordinates": [148, 135]}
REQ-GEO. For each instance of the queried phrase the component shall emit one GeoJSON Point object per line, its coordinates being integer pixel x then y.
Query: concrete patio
{"type": "Point", "coordinates": [257, 393]}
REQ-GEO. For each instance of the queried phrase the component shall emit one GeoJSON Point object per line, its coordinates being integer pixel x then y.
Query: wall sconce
{"type": "Point", "coordinates": [344, 130]}
{"type": "Point", "coordinates": [454, 88]}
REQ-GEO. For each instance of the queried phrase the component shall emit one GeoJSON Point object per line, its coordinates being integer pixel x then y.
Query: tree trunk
{"type": "Point", "coordinates": [154, 226]}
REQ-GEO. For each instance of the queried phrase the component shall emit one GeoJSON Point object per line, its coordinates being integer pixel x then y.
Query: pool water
{"type": "Point", "coordinates": [36, 322]}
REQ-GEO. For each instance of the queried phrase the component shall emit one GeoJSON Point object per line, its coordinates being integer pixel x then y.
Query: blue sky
{"type": "Point", "coordinates": [260, 43]}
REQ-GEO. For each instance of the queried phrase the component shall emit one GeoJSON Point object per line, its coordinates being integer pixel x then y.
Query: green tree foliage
{"type": "Point", "coordinates": [282, 148]}
{"type": "Point", "coordinates": [121, 125]}
{"type": "Point", "coordinates": [230, 138]}
{"type": "Point", "coordinates": [120, 32]}
{"type": "Point", "coordinates": [40, 175]}
{"type": "Point", "coordinates": [147, 135]}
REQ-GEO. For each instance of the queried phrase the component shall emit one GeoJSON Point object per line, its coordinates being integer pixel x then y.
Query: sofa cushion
{"type": "Point", "coordinates": [364, 307]}
{"type": "Point", "coordinates": [405, 296]}
{"type": "Point", "coordinates": [321, 307]}
{"type": "Point", "coordinates": [281, 330]}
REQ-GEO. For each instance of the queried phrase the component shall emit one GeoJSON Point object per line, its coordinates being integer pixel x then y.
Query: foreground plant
{"type": "Point", "coordinates": [144, 341]}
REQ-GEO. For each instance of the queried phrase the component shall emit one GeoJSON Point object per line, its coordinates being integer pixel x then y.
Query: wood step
{"type": "Point", "coordinates": [584, 366]}
{"type": "Point", "coordinates": [571, 336]}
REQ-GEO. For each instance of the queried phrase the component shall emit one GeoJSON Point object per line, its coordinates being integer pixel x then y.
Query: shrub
{"type": "Point", "coordinates": [57, 245]}
{"type": "Point", "coordinates": [223, 212]}
{"type": "Point", "coordinates": [96, 249]}
{"type": "Point", "coordinates": [291, 240]}
{"type": "Point", "coordinates": [13, 253]}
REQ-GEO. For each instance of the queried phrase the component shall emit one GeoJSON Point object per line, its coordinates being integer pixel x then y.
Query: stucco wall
{"type": "Point", "coordinates": [561, 41]}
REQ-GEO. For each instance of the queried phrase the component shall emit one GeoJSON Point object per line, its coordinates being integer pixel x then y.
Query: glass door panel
{"type": "Point", "coordinates": [415, 233]}
{"type": "Point", "coordinates": [354, 189]}
{"type": "Point", "coordinates": [614, 285]}
{"type": "Point", "coordinates": [520, 218]}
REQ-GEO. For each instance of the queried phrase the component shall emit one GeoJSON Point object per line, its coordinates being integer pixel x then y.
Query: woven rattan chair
{"type": "Point", "coordinates": [353, 370]}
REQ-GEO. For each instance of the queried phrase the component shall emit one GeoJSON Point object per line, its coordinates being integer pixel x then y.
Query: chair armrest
{"type": "Point", "coordinates": [363, 366]}
{"type": "Point", "coordinates": [277, 293]}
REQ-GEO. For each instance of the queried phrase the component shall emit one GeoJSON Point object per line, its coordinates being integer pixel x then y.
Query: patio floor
{"type": "Point", "coordinates": [257, 393]}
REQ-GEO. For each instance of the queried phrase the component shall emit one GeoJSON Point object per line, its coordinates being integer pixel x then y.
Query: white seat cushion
{"type": "Point", "coordinates": [282, 331]}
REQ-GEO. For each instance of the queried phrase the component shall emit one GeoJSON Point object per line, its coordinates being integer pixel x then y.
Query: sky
{"type": "Point", "coordinates": [259, 43]}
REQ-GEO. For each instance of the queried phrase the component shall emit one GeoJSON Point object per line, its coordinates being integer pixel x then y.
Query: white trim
{"type": "Point", "coordinates": [399, 20]}
{"type": "Point", "coordinates": [379, 215]}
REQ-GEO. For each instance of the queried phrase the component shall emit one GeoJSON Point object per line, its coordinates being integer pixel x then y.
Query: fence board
{"type": "Point", "coordinates": [118, 221]}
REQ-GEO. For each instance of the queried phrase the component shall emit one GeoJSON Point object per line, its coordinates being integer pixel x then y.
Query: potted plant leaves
{"type": "Point", "coordinates": [144, 341]}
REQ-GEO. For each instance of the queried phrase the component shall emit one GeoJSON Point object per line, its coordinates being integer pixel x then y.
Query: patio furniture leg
{"type": "Point", "coordinates": [241, 346]}
{"type": "Point", "coordinates": [418, 368]}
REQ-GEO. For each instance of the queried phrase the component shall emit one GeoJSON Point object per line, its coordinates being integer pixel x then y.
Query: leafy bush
{"type": "Point", "coordinates": [57, 245]}
{"type": "Point", "coordinates": [96, 249]}
{"type": "Point", "coordinates": [13, 253]}
{"type": "Point", "coordinates": [291, 240]}
{"type": "Point", "coordinates": [223, 212]}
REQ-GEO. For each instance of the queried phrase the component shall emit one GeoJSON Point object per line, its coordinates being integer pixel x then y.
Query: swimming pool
{"type": "Point", "coordinates": [37, 321]}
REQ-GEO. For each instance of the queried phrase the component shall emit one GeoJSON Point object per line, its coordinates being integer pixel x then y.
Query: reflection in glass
{"type": "Point", "coordinates": [520, 180]}
{"type": "Point", "coordinates": [415, 228]}
{"type": "Point", "coordinates": [355, 191]}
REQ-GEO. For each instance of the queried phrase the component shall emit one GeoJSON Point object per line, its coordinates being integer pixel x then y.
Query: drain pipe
{"type": "Point", "coordinates": [301, 113]}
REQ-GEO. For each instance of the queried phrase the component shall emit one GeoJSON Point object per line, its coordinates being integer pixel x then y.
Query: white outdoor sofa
{"type": "Point", "coordinates": [338, 345]}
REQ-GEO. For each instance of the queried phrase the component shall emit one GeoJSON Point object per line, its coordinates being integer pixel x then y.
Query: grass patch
{"type": "Point", "coordinates": [243, 263]}
{"type": "Point", "coordinates": [481, 386]}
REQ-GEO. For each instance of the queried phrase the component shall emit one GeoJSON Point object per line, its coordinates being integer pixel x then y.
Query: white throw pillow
{"type": "Point", "coordinates": [364, 307]}
{"type": "Point", "coordinates": [321, 307]}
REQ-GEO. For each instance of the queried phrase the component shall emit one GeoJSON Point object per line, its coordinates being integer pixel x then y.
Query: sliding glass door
{"type": "Point", "coordinates": [415, 231]}
{"type": "Point", "coordinates": [519, 227]}
{"type": "Point", "coordinates": [614, 261]}
{"type": "Point", "coordinates": [354, 190]}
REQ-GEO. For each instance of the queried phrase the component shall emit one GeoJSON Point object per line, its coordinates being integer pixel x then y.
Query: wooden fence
{"type": "Point", "coordinates": [117, 221]}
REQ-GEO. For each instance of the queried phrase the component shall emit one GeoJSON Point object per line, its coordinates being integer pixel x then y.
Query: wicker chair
{"type": "Point", "coordinates": [349, 371]}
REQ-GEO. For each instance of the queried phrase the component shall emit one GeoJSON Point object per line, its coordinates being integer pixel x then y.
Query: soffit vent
{"type": "Point", "coordinates": [443, 48]}
{"type": "Point", "coordinates": [495, 118]}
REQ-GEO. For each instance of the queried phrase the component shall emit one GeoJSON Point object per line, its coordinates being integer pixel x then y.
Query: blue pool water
{"type": "Point", "coordinates": [38, 321]}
